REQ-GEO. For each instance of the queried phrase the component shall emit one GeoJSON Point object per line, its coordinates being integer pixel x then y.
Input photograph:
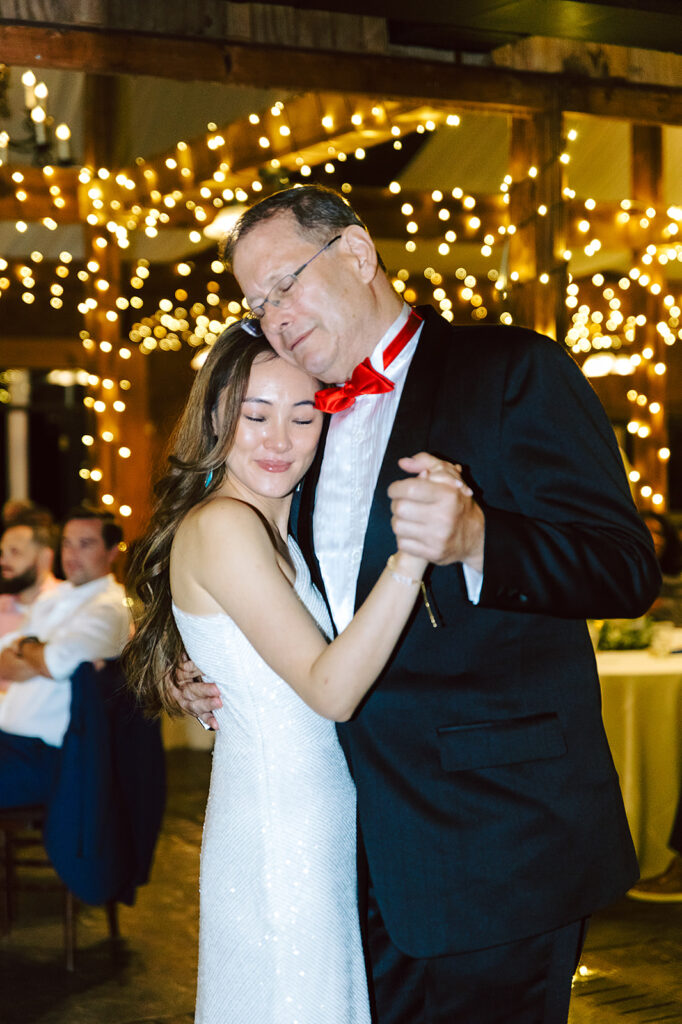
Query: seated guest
{"type": "Point", "coordinates": [83, 619]}
{"type": "Point", "coordinates": [26, 557]}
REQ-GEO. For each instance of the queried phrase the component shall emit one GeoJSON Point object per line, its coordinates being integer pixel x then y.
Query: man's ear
{"type": "Point", "coordinates": [360, 246]}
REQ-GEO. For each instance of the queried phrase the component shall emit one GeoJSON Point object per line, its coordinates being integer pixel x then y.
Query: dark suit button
{"type": "Point", "coordinates": [523, 598]}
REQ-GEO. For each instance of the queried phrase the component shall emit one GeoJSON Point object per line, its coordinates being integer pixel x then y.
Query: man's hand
{"type": "Point", "coordinates": [32, 650]}
{"type": "Point", "coordinates": [434, 514]}
{"type": "Point", "coordinates": [193, 695]}
{"type": "Point", "coordinates": [13, 668]}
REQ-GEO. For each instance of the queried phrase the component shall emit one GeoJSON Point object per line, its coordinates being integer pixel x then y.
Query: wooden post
{"type": "Point", "coordinates": [537, 209]}
{"type": "Point", "coordinates": [522, 213]}
{"type": "Point", "coordinates": [647, 190]}
{"type": "Point", "coordinates": [550, 229]}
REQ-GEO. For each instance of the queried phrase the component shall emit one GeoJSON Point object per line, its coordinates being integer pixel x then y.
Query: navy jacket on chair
{"type": "Point", "coordinates": [488, 803]}
{"type": "Point", "coordinates": [105, 813]}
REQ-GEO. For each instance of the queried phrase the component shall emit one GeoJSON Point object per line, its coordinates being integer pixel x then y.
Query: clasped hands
{"type": "Point", "coordinates": [433, 515]}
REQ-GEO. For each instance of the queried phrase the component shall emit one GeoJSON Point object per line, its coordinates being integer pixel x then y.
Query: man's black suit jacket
{"type": "Point", "coordinates": [487, 799]}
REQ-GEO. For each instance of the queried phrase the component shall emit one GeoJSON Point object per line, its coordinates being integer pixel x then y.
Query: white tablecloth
{"type": "Point", "coordinates": [642, 708]}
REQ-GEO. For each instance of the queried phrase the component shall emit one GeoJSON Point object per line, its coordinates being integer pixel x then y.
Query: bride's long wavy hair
{"type": "Point", "coordinates": [196, 454]}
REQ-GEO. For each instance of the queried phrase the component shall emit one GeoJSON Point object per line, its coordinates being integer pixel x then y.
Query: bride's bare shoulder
{"type": "Point", "coordinates": [222, 516]}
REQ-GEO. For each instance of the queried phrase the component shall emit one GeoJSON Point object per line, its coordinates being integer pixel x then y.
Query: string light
{"type": "Point", "coordinates": [144, 201]}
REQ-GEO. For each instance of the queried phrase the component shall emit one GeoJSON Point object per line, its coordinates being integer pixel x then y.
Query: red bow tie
{"type": "Point", "coordinates": [365, 380]}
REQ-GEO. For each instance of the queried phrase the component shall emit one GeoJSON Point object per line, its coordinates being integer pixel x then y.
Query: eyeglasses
{"type": "Point", "coordinates": [285, 290]}
{"type": "Point", "coordinates": [251, 325]}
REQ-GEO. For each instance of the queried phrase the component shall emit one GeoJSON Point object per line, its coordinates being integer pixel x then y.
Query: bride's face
{"type": "Point", "coordinates": [278, 429]}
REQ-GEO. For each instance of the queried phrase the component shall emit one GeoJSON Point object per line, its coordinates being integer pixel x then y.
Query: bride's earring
{"type": "Point", "coordinates": [209, 477]}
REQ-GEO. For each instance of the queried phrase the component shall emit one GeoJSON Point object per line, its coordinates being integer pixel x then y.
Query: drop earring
{"type": "Point", "coordinates": [209, 477]}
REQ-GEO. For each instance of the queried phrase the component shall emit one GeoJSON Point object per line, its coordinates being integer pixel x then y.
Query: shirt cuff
{"type": "Point", "coordinates": [474, 581]}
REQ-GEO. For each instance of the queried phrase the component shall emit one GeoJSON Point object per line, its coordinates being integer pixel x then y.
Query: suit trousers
{"type": "Point", "coordinates": [28, 768]}
{"type": "Point", "coordinates": [523, 982]}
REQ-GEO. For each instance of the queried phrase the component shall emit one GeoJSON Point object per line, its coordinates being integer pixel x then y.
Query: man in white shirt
{"type": "Point", "coordinates": [26, 556]}
{"type": "Point", "coordinates": [83, 619]}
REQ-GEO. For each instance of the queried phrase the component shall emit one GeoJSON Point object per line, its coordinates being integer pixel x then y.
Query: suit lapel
{"type": "Point", "coordinates": [409, 435]}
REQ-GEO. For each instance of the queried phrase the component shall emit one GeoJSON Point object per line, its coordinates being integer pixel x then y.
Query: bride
{"type": "Point", "coordinates": [217, 575]}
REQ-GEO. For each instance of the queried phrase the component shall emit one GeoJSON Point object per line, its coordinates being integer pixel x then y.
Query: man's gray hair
{"type": "Point", "coordinates": [319, 213]}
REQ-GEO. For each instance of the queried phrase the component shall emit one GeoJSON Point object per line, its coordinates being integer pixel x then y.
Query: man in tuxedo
{"type": "Point", "coordinates": [490, 814]}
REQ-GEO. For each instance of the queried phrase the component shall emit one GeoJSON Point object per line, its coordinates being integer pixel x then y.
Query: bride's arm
{"type": "Point", "coordinates": [234, 561]}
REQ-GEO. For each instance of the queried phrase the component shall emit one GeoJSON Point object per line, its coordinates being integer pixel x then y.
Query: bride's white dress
{"type": "Point", "coordinates": [279, 940]}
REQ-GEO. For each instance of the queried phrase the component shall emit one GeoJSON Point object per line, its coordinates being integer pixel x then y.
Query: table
{"type": "Point", "coordinates": [642, 710]}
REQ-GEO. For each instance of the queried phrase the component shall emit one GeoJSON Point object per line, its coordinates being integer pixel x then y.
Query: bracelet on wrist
{"type": "Point", "coordinates": [410, 581]}
{"type": "Point", "coordinates": [399, 576]}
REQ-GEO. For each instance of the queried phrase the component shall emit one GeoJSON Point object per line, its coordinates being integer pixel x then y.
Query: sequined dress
{"type": "Point", "coordinates": [279, 939]}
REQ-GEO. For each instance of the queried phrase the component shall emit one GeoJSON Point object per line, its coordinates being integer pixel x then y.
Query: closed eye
{"type": "Point", "coordinates": [286, 285]}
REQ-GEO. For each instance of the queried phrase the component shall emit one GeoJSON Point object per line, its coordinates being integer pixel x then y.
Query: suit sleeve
{"type": "Point", "coordinates": [568, 541]}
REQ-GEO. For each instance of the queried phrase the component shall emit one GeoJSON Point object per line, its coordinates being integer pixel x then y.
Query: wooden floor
{"type": "Point", "coordinates": [633, 956]}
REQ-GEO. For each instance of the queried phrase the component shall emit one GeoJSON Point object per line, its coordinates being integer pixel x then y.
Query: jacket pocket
{"type": "Point", "coordinates": [509, 741]}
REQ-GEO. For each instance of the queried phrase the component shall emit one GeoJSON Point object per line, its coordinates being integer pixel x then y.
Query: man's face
{"type": "Point", "coordinates": [19, 560]}
{"type": "Point", "coordinates": [320, 328]}
{"type": "Point", "coordinates": [85, 556]}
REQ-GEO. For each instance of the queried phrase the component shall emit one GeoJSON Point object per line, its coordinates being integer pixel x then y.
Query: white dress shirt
{"type": "Point", "coordinates": [76, 624]}
{"type": "Point", "coordinates": [353, 454]}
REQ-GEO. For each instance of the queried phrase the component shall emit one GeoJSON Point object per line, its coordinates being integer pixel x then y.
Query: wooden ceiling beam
{"type": "Point", "coordinates": [464, 86]}
{"type": "Point", "coordinates": [112, 53]}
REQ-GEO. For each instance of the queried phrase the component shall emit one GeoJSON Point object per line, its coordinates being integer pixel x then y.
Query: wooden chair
{"type": "Point", "coordinates": [21, 828]}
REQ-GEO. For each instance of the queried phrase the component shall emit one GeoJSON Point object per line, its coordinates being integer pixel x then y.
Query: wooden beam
{"type": "Point", "coordinates": [267, 67]}
{"type": "Point", "coordinates": [647, 187]}
{"type": "Point", "coordinates": [112, 53]}
{"type": "Point", "coordinates": [212, 21]}
{"type": "Point", "coordinates": [536, 248]}
{"type": "Point", "coordinates": [464, 86]}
